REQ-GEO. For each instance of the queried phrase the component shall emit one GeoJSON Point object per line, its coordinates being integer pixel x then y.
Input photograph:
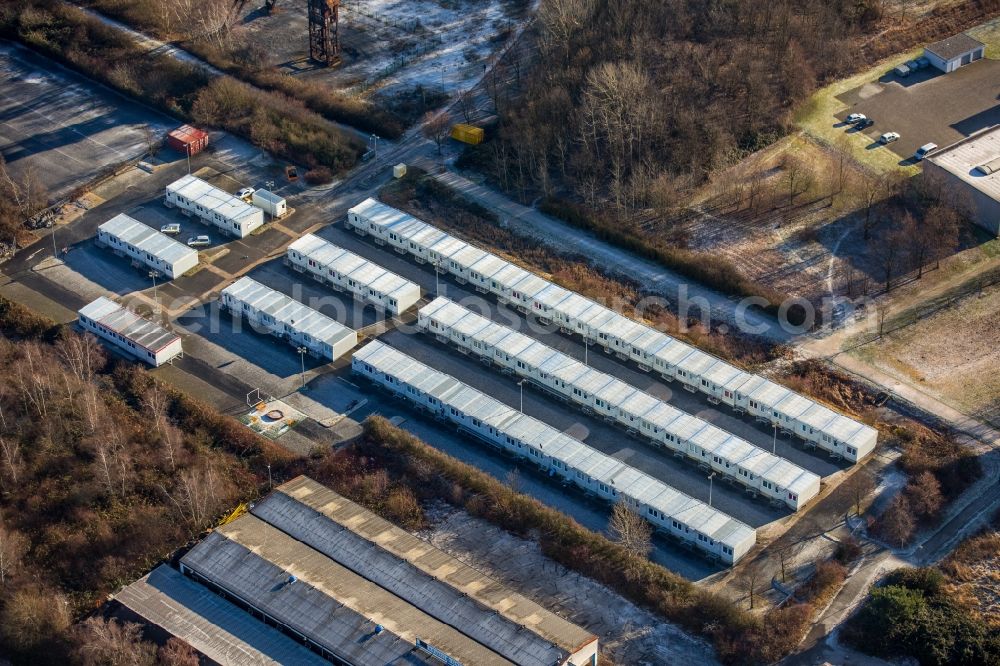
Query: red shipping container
{"type": "Point", "coordinates": [188, 140]}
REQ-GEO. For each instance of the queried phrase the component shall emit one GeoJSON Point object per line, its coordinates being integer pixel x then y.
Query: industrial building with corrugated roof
{"type": "Point", "coordinates": [358, 590]}
{"type": "Point", "coordinates": [649, 348]}
{"type": "Point", "coordinates": [146, 246]}
{"type": "Point", "coordinates": [139, 337]}
{"type": "Point", "coordinates": [213, 206]}
{"type": "Point", "coordinates": [288, 319]}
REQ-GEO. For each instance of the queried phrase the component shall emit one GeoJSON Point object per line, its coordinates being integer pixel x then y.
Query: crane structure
{"type": "Point", "coordinates": [324, 27]}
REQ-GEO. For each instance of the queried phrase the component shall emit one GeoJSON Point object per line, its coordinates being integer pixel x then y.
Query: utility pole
{"type": "Point", "coordinates": [710, 477]}
{"type": "Point", "coordinates": [302, 356]}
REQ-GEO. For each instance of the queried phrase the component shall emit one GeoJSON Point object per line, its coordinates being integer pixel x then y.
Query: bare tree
{"type": "Point", "coordinates": [941, 228]}
{"type": "Point", "coordinates": [871, 190]}
{"type": "Point", "coordinates": [786, 554]}
{"type": "Point", "coordinates": [882, 313]}
{"type": "Point", "coordinates": [797, 177]}
{"type": "Point", "coordinates": [101, 642]}
{"type": "Point", "coordinates": [436, 127]}
{"type": "Point", "coordinates": [176, 652]}
{"type": "Point", "coordinates": [860, 485]}
{"type": "Point", "coordinates": [467, 105]}
{"type": "Point", "coordinates": [630, 530]}
{"type": "Point", "coordinates": [924, 495]}
{"type": "Point", "coordinates": [896, 523]}
{"type": "Point", "coordinates": [13, 462]}
{"type": "Point", "coordinates": [751, 579]}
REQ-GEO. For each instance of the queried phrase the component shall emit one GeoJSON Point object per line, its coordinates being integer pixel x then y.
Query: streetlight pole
{"type": "Point", "coordinates": [520, 385]}
{"type": "Point", "coordinates": [586, 352]}
{"type": "Point", "coordinates": [55, 252]}
{"type": "Point", "coordinates": [156, 300]}
{"type": "Point", "coordinates": [269, 484]}
{"type": "Point", "coordinates": [188, 151]}
{"type": "Point", "coordinates": [302, 356]}
{"type": "Point", "coordinates": [774, 439]}
{"type": "Point", "coordinates": [710, 477]}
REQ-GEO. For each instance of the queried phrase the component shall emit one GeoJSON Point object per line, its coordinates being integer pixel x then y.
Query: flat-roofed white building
{"type": "Point", "coordinates": [193, 196]}
{"type": "Point", "coordinates": [635, 410]}
{"type": "Point", "coordinates": [145, 246]}
{"type": "Point", "coordinates": [145, 340]}
{"type": "Point", "coordinates": [271, 203]}
{"type": "Point", "coordinates": [651, 349]}
{"type": "Point", "coordinates": [970, 168]}
{"type": "Point", "coordinates": [669, 510]}
{"type": "Point", "coordinates": [346, 271]}
{"type": "Point", "coordinates": [286, 318]}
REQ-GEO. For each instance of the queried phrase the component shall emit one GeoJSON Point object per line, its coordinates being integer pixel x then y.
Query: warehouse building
{"type": "Point", "coordinates": [216, 628]}
{"type": "Point", "coordinates": [146, 246]}
{"type": "Point", "coordinates": [954, 52]}
{"type": "Point", "coordinates": [346, 271]}
{"type": "Point", "coordinates": [357, 590]}
{"type": "Point", "coordinates": [970, 170]}
{"type": "Point", "coordinates": [232, 215]}
{"type": "Point", "coordinates": [286, 318]}
{"type": "Point", "coordinates": [143, 339]}
{"type": "Point", "coordinates": [669, 510]}
{"type": "Point", "coordinates": [649, 348]}
{"type": "Point", "coordinates": [640, 413]}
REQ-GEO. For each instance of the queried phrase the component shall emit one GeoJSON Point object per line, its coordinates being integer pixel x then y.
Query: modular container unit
{"type": "Point", "coordinates": [271, 203]}
{"type": "Point", "coordinates": [232, 215]}
{"type": "Point", "coordinates": [346, 271]}
{"type": "Point", "coordinates": [188, 140]}
{"type": "Point", "coordinates": [637, 411]}
{"type": "Point", "coordinates": [286, 318]}
{"type": "Point", "coordinates": [445, 397]}
{"type": "Point", "coordinates": [146, 246]}
{"type": "Point", "coordinates": [147, 341]}
{"type": "Point", "coordinates": [650, 348]}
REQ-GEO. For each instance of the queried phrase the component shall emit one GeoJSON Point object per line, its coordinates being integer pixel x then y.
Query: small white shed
{"type": "Point", "coordinates": [954, 52]}
{"type": "Point", "coordinates": [271, 203]}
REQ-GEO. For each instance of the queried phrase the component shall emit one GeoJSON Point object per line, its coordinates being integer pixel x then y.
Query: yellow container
{"type": "Point", "coordinates": [469, 134]}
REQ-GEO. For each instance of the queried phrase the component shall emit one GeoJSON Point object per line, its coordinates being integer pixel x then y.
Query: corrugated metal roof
{"type": "Point", "coordinates": [128, 324]}
{"type": "Point", "coordinates": [441, 585]}
{"type": "Point", "coordinates": [288, 311]}
{"type": "Point", "coordinates": [328, 603]}
{"type": "Point", "coordinates": [221, 631]}
{"type": "Point", "coordinates": [344, 262]}
{"type": "Point", "coordinates": [146, 239]}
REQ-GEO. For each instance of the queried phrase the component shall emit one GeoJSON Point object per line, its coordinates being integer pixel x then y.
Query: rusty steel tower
{"type": "Point", "coordinates": [324, 36]}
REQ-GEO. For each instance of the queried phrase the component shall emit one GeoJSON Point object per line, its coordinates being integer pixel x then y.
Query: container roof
{"type": "Point", "coordinates": [212, 198]}
{"type": "Point", "coordinates": [147, 239]}
{"type": "Point", "coordinates": [367, 273]}
{"type": "Point", "coordinates": [128, 324]}
{"type": "Point", "coordinates": [288, 311]}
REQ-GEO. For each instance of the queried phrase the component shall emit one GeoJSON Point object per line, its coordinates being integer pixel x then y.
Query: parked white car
{"type": "Point", "coordinates": [246, 193]}
{"type": "Point", "coordinates": [171, 229]}
{"type": "Point", "coordinates": [855, 118]}
{"type": "Point", "coordinates": [199, 241]}
{"type": "Point", "coordinates": [923, 150]}
{"type": "Point", "coordinates": [888, 137]}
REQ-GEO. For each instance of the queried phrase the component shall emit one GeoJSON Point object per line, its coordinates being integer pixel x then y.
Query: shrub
{"type": "Point", "coordinates": [318, 176]}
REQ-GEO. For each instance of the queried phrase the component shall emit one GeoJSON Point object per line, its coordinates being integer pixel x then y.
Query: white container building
{"type": "Point", "coordinates": [232, 215]}
{"type": "Point", "coordinates": [346, 271]}
{"type": "Point", "coordinates": [271, 203]}
{"type": "Point", "coordinates": [638, 412]}
{"type": "Point", "coordinates": [286, 318]}
{"type": "Point", "coordinates": [146, 246]}
{"type": "Point", "coordinates": [554, 452]}
{"type": "Point", "coordinates": [650, 348]}
{"type": "Point", "coordinates": [145, 340]}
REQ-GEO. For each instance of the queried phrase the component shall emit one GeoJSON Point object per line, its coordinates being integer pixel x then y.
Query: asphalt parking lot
{"type": "Point", "coordinates": [927, 106]}
{"type": "Point", "coordinates": [64, 127]}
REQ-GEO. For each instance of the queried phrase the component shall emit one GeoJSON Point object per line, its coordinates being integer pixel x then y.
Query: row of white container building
{"type": "Point", "coordinates": [227, 212]}
{"type": "Point", "coordinates": [145, 246]}
{"type": "Point", "coordinates": [650, 348]}
{"type": "Point", "coordinates": [555, 452]}
{"type": "Point", "coordinates": [288, 319]}
{"type": "Point", "coordinates": [145, 340]}
{"type": "Point", "coordinates": [346, 271]}
{"type": "Point", "coordinates": [753, 468]}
